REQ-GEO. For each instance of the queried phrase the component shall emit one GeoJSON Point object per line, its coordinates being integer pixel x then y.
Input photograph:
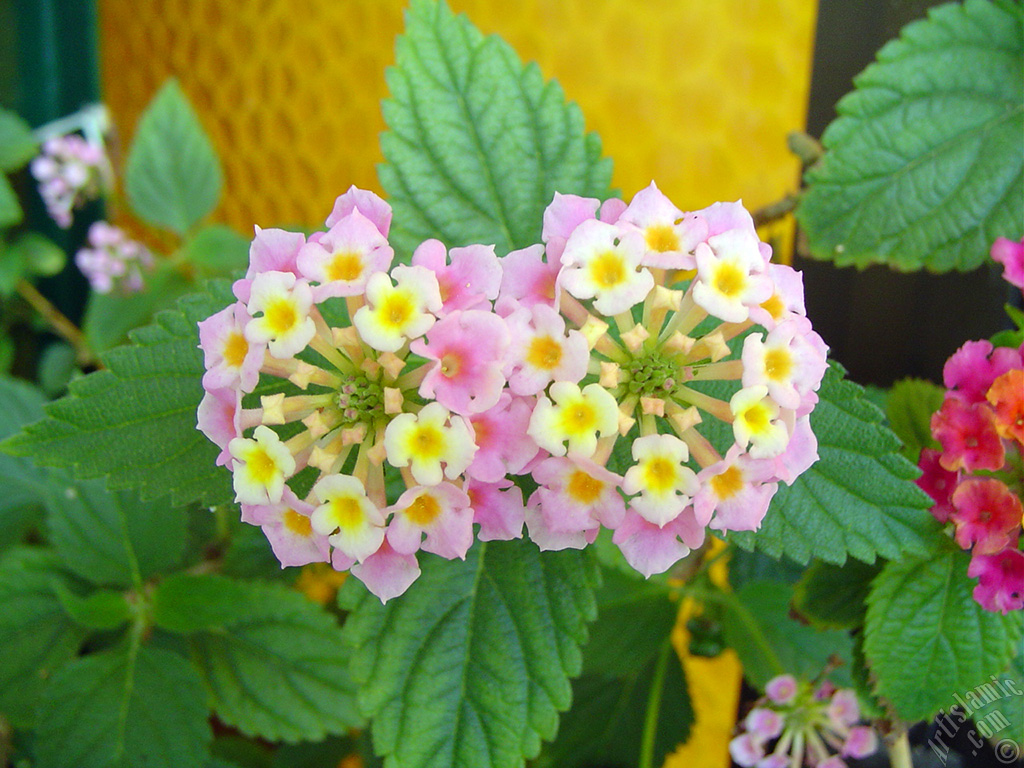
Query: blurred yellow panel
{"type": "Point", "coordinates": [698, 96]}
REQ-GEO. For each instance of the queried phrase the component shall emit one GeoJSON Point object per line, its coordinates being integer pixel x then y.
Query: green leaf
{"type": "Point", "coordinates": [135, 422]}
{"type": "Point", "coordinates": [42, 257]}
{"type": "Point", "coordinates": [172, 175]}
{"type": "Point", "coordinates": [927, 640]}
{"type": "Point", "coordinates": [629, 652]}
{"type": "Point", "coordinates": [36, 635]}
{"type": "Point", "coordinates": [757, 625]}
{"type": "Point", "coordinates": [217, 251]}
{"type": "Point", "coordinates": [114, 537]}
{"type": "Point", "coordinates": [57, 365]}
{"type": "Point", "coordinates": [471, 666]}
{"type": "Point", "coordinates": [10, 208]}
{"type": "Point", "coordinates": [606, 722]}
{"type": "Point", "coordinates": [634, 617]}
{"type": "Point", "coordinates": [999, 713]}
{"type": "Point", "coordinates": [477, 144]}
{"type": "Point", "coordinates": [110, 316]}
{"type": "Point", "coordinates": [859, 499]}
{"type": "Point", "coordinates": [833, 596]}
{"type": "Point", "coordinates": [102, 609]}
{"type": "Point", "coordinates": [923, 166]}
{"type": "Point", "coordinates": [909, 408]}
{"type": "Point", "coordinates": [25, 485]}
{"type": "Point", "coordinates": [274, 663]}
{"type": "Point", "coordinates": [17, 144]}
{"type": "Point", "coordinates": [128, 707]}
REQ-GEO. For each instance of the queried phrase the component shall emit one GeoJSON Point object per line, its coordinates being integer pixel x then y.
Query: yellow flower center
{"type": "Point", "coordinates": [578, 417]}
{"type": "Point", "coordinates": [236, 349]}
{"type": "Point", "coordinates": [345, 266]}
{"type": "Point", "coordinates": [729, 280]}
{"type": "Point", "coordinates": [426, 442]}
{"type": "Point", "coordinates": [545, 353]}
{"type": "Point", "coordinates": [778, 364]}
{"type": "Point", "coordinates": [661, 238]}
{"type": "Point", "coordinates": [423, 510]}
{"type": "Point", "coordinates": [727, 484]}
{"type": "Point", "coordinates": [774, 307]}
{"type": "Point", "coordinates": [607, 270]}
{"type": "Point", "coordinates": [396, 310]}
{"type": "Point", "coordinates": [450, 364]}
{"type": "Point", "coordinates": [756, 417]}
{"type": "Point", "coordinates": [660, 474]}
{"type": "Point", "coordinates": [347, 512]}
{"type": "Point", "coordinates": [261, 465]}
{"type": "Point", "coordinates": [296, 523]}
{"type": "Point", "coordinates": [584, 488]}
{"type": "Point", "coordinates": [281, 316]}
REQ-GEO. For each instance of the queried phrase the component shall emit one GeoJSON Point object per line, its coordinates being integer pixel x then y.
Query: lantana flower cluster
{"type": "Point", "coordinates": [802, 724]}
{"type": "Point", "coordinates": [369, 410]}
{"type": "Point", "coordinates": [976, 479]}
{"type": "Point", "coordinates": [71, 171]}
{"type": "Point", "coordinates": [113, 262]}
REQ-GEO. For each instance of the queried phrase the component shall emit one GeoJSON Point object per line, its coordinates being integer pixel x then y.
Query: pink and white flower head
{"type": "Point", "coordinates": [796, 724]}
{"type": "Point", "coordinates": [1011, 255]}
{"type": "Point", "coordinates": [408, 412]}
{"type": "Point", "coordinates": [71, 171]}
{"type": "Point", "coordinates": [114, 263]}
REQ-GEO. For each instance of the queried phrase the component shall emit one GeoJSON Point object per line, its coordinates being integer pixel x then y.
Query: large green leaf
{"type": "Point", "coordinates": [471, 666]}
{"type": "Point", "coordinates": [909, 408]}
{"type": "Point", "coordinates": [999, 705]}
{"type": "Point", "coordinates": [629, 670]}
{"type": "Point", "coordinates": [128, 707]}
{"type": "Point", "coordinates": [926, 640]}
{"type": "Point", "coordinates": [924, 167]}
{"type": "Point", "coordinates": [859, 499]}
{"type": "Point", "coordinates": [274, 663]}
{"type": "Point", "coordinates": [172, 175]}
{"type": "Point", "coordinates": [833, 596]}
{"type": "Point", "coordinates": [135, 422]}
{"type": "Point", "coordinates": [477, 144]}
{"type": "Point", "coordinates": [114, 537]}
{"type": "Point", "coordinates": [17, 144]}
{"type": "Point", "coordinates": [36, 634]}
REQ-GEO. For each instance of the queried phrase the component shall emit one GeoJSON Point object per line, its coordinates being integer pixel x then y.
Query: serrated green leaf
{"type": "Point", "coordinates": [217, 251]}
{"type": "Point", "coordinates": [859, 499]}
{"type": "Point", "coordinates": [274, 663]}
{"type": "Point", "coordinates": [17, 144]}
{"type": "Point", "coordinates": [833, 596]}
{"type": "Point", "coordinates": [927, 640]}
{"type": "Point", "coordinates": [114, 538]}
{"type": "Point", "coordinates": [127, 707]}
{"type": "Point", "coordinates": [605, 725]}
{"type": "Point", "coordinates": [110, 316]}
{"type": "Point", "coordinates": [477, 144]}
{"type": "Point", "coordinates": [924, 167]}
{"type": "Point", "coordinates": [36, 635]}
{"type": "Point", "coordinates": [909, 408]}
{"type": "Point", "coordinates": [10, 208]}
{"type": "Point", "coordinates": [757, 625]}
{"type": "Point", "coordinates": [172, 175]}
{"type": "Point", "coordinates": [135, 421]}
{"type": "Point", "coordinates": [471, 666]}
{"type": "Point", "coordinates": [101, 609]}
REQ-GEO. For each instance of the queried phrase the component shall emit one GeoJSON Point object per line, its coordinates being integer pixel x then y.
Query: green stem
{"type": "Point", "coordinates": [654, 707]}
{"type": "Point", "coordinates": [898, 747]}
